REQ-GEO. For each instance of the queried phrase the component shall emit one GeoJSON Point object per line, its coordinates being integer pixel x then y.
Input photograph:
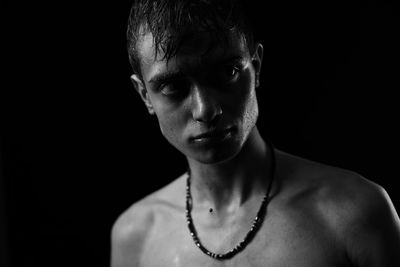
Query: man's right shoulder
{"type": "Point", "coordinates": [141, 213]}
{"type": "Point", "coordinates": [133, 227]}
{"type": "Point", "coordinates": [129, 233]}
{"type": "Point", "coordinates": [134, 220]}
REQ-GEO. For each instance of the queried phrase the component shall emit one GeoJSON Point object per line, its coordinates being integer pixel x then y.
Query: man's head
{"type": "Point", "coordinates": [200, 80]}
{"type": "Point", "coordinates": [175, 22]}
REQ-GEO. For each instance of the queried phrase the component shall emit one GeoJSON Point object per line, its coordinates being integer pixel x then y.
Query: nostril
{"type": "Point", "coordinates": [207, 112]}
{"type": "Point", "coordinates": [205, 105]}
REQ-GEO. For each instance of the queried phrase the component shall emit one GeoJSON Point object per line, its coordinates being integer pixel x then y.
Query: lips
{"type": "Point", "coordinates": [214, 135]}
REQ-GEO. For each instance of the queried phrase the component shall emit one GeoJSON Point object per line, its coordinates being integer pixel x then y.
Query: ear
{"type": "Point", "coordinates": [141, 89]}
{"type": "Point", "coordinates": [257, 61]}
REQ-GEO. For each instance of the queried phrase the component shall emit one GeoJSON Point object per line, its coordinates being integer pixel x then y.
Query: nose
{"type": "Point", "coordinates": [205, 105]}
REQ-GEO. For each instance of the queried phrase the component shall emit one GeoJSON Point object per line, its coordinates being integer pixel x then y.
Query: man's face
{"type": "Point", "coordinates": [204, 99]}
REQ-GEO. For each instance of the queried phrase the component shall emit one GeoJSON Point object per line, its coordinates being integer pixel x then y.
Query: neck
{"type": "Point", "coordinates": [227, 185]}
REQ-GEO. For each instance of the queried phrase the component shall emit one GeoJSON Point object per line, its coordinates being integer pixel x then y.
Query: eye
{"type": "Point", "coordinates": [230, 73]}
{"type": "Point", "coordinates": [174, 88]}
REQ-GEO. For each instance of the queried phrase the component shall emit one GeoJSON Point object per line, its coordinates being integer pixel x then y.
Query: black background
{"type": "Point", "coordinates": [78, 146]}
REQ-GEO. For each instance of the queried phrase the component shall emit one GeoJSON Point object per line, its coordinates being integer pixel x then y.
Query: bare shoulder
{"type": "Point", "coordinates": [329, 184]}
{"type": "Point", "coordinates": [358, 210]}
{"type": "Point", "coordinates": [133, 227]}
{"type": "Point", "coordinates": [341, 191]}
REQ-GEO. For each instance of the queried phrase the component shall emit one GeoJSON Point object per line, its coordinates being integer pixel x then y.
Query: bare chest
{"type": "Point", "coordinates": [282, 240]}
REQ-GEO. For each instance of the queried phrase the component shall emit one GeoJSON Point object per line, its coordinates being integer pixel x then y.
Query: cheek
{"type": "Point", "coordinates": [164, 115]}
{"type": "Point", "coordinates": [168, 130]}
{"type": "Point", "coordinates": [171, 126]}
{"type": "Point", "coordinates": [172, 118]}
{"type": "Point", "coordinates": [245, 103]}
{"type": "Point", "coordinates": [251, 112]}
{"type": "Point", "coordinates": [246, 108]}
{"type": "Point", "coordinates": [166, 123]}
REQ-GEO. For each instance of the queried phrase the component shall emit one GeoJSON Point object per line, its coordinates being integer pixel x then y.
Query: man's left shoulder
{"type": "Point", "coordinates": [357, 197]}
{"type": "Point", "coordinates": [363, 216]}
{"type": "Point", "coordinates": [342, 197]}
{"type": "Point", "coordinates": [333, 187]}
{"type": "Point", "coordinates": [352, 196]}
{"type": "Point", "coordinates": [356, 212]}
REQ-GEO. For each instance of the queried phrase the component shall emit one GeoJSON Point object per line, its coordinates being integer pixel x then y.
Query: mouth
{"type": "Point", "coordinates": [212, 136]}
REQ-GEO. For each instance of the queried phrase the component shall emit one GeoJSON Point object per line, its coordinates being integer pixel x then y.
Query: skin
{"type": "Point", "coordinates": [318, 215]}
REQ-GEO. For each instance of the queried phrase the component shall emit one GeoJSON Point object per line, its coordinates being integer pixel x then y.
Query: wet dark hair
{"type": "Point", "coordinates": [172, 22]}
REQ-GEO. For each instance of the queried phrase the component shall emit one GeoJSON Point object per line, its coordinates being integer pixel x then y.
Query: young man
{"type": "Point", "coordinates": [242, 202]}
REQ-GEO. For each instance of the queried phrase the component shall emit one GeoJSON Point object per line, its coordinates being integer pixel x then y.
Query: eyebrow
{"type": "Point", "coordinates": [174, 75]}
{"type": "Point", "coordinates": [167, 76]}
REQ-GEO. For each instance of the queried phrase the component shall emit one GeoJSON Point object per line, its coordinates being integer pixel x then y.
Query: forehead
{"type": "Point", "coordinates": [201, 50]}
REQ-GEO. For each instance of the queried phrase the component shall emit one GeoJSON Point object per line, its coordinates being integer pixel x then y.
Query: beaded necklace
{"type": "Point", "coordinates": [254, 227]}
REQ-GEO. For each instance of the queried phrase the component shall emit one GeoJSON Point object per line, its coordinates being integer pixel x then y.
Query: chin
{"type": "Point", "coordinates": [216, 155]}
